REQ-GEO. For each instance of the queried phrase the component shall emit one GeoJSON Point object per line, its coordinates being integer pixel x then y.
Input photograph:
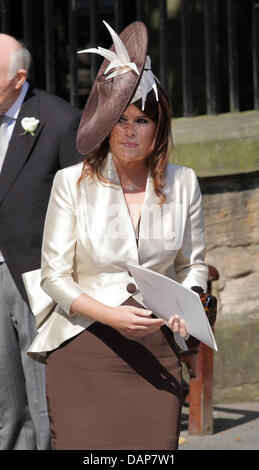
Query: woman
{"type": "Point", "coordinates": [113, 370]}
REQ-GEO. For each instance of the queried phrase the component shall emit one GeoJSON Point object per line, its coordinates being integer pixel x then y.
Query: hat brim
{"type": "Point", "coordinates": [109, 97]}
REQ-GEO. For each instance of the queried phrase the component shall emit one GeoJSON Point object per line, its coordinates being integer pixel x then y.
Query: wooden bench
{"type": "Point", "coordinates": [199, 392]}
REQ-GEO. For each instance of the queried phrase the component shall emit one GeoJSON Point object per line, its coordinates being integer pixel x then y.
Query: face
{"type": "Point", "coordinates": [9, 88]}
{"type": "Point", "coordinates": [6, 93]}
{"type": "Point", "coordinates": [132, 138]}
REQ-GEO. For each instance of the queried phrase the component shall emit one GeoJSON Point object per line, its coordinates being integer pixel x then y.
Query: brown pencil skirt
{"type": "Point", "coordinates": [105, 391]}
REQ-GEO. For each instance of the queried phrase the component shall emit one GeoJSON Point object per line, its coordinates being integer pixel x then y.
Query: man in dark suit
{"type": "Point", "coordinates": [37, 137]}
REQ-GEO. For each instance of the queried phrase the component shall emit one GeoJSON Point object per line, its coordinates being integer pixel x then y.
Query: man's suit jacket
{"type": "Point", "coordinates": [89, 239]}
{"type": "Point", "coordinates": [27, 175]}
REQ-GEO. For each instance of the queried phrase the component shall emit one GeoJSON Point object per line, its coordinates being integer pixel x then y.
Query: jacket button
{"type": "Point", "coordinates": [131, 288]}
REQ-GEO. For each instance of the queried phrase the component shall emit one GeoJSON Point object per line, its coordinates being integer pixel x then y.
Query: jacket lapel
{"type": "Point", "coordinates": [149, 222]}
{"type": "Point", "coordinates": [20, 146]}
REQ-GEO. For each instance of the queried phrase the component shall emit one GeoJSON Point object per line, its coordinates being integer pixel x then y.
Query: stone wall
{"type": "Point", "coordinates": [224, 152]}
{"type": "Point", "coordinates": [231, 214]}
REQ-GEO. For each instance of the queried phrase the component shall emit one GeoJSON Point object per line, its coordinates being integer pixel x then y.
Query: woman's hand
{"type": "Point", "coordinates": [177, 324]}
{"type": "Point", "coordinates": [133, 322]}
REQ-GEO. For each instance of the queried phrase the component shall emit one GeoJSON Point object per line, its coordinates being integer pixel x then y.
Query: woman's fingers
{"type": "Point", "coordinates": [183, 331]}
{"type": "Point", "coordinates": [140, 323]}
{"type": "Point", "coordinates": [178, 325]}
{"type": "Point", "coordinates": [143, 317]}
{"type": "Point", "coordinates": [143, 321]}
{"type": "Point", "coordinates": [142, 312]}
{"type": "Point", "coordinates": [174, 323]}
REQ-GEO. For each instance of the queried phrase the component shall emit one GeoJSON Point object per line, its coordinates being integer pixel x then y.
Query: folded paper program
{"type": "Point", "coordinates": [166, 297]}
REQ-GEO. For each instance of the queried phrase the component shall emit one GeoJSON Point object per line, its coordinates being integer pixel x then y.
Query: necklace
{"type": "Point", "coordinates": [131, 187]}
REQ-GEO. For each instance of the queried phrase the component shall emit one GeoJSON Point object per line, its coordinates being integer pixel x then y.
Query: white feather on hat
{"type": "Point", "coordinates": [120, 60]}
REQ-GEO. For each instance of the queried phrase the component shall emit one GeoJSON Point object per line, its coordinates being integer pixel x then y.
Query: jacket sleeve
{"type": "Point", "coordinates": [59, 244]}
{"type": "Point", "coordinates": [189, 263]}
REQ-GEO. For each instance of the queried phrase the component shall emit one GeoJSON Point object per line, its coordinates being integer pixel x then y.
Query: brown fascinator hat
{"type": "Point", "coordinates": [115, 85]}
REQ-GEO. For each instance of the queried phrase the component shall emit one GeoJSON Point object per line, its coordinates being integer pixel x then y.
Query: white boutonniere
{"type": "Point", "coordinates": [30, 125]}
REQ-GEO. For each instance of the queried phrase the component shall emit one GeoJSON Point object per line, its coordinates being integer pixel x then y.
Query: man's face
{"type": "Point", "coordinates": [8, 88]}
{"type": "Point", "coordinates": [6, 94]}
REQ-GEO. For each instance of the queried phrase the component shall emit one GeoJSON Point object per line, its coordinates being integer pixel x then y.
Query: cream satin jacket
{"type": "Point", "coordinates": [89, 239]}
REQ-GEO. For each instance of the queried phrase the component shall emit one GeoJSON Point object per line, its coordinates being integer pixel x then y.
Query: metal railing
{"type": "Point", "coordinates": [216, 18]}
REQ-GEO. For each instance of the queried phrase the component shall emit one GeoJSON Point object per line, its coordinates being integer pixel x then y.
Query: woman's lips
{"type": "Point", "coordinates": [129, 144]}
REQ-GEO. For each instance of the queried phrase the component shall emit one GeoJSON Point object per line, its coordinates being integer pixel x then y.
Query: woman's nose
{"type": "Point", "coordinates": [130, 129]}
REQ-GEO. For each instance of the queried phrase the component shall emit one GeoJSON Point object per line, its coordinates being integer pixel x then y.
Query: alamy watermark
{"type": "Point", "coordinates": [107, 222]}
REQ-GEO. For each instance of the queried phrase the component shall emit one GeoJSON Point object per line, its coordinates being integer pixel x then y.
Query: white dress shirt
{"type": "Point", "coordinates": [15, 109]}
